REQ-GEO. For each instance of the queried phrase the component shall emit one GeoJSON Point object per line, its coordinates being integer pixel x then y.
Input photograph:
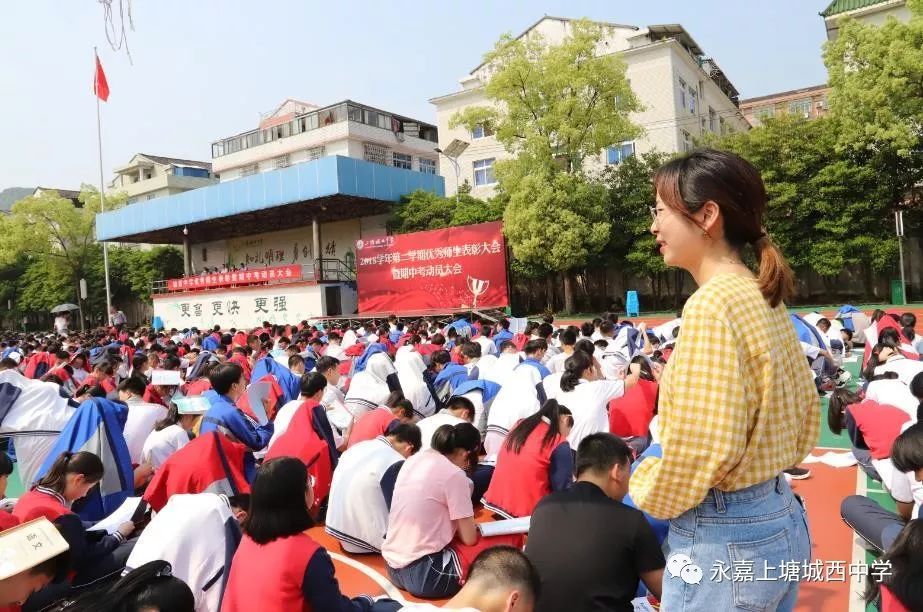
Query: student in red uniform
{"type": "Point", "coordinates": [872, 427]}
{"type": "Point", "coordinates": [103, 376]}
{"type": "Point", "coordinates": [630, 415]}
{"type": "Point", "coordinates": [382, 420]}
{"type": "Point", "coordinates": [278, 567]}
{"type": "Point", "coordinates": [7, 520]}
{"type": "Point", "coordinates": [94, 554]}
{"type": "Point", "coordinates": [534, 461]}
{"type": "Point", "coordinates": [901, 585]}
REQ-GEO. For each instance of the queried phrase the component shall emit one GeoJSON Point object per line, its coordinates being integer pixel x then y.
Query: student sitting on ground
{"type": "Point", "coordinates": [587, 394]}
{"type": "Point", "coordinates": [900, 588]}
{"type": "Point", "coordinates": [383, 419]}
{"type": "Point", "coordinates": [589, 522]}
{"type": "Point", "coordinates": [16, 589]}
{"type": "Point", "coordinates": [502, 579]}
{"type": "Point", "coordinates": [432, 536]}
{"type": "Point", "coordinates": [872, 427]}
{"type": "Point", "coordinates": [150, 588]}
{"type": "Point", "coordinates": [169, 435]}
{"type": "Point", "coordinates": [142, 417]}
{"type": "Point", "coordinates": [535, 460]}
{"type": "Point", "coordinates": [278, 567]}
{"type": "Point", "coordinates": [94, 554]}
{"type": "Point", "coordinates": [457, 410]}
{"type": "Point", "coordinates": [357, 514]}
{"type": "Point", "coordinates": [880, 527]}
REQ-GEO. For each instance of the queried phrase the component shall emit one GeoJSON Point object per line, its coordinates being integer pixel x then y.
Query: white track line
{"type": "Point", "coordinates": [389, 589]}
{"type": "Point", "coordinates": [857, 587]}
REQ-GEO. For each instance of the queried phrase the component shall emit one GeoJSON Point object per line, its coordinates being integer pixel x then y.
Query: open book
{"type": "Point", "coordinates": [507, 527]}
{"type": "Point", "coordinates": [131, 511]}
{"type": "Point", "coordinates": [25, 546]}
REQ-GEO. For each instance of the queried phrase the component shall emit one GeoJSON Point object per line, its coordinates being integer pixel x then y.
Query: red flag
{"type": "Point", "coordinates": [100, 85]}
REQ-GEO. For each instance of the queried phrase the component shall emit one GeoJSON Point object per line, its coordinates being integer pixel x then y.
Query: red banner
{"type": "Point", "coordinates": [450, 269]}
{"type": "Point", "coordinates": [243, 277]}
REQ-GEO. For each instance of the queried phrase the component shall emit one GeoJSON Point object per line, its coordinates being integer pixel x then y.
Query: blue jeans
{"type": "Point", "coordinates": [739, 541]}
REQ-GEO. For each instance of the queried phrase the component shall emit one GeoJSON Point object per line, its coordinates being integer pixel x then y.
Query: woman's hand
{"type": "Point", "coordinates": [126, 529]}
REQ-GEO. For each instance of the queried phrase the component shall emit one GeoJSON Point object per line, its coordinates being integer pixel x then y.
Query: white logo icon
{"type": "Point", "coordinates": [681, 566]}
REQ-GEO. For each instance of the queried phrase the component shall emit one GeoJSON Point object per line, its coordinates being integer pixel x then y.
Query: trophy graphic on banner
{"type": "Point", "coordinates": [477, 287]}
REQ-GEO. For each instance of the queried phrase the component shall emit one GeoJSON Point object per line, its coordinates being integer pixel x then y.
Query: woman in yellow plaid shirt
{"type": "Point", "coordinates": [737, 400]}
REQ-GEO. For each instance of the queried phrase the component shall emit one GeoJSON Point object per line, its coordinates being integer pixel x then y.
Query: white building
{"type": "Point", "coordinates": [298, 132]}
{"type": "Point", "coordinates": [147, 177]}
{"type": "Point", "coordinates": [683, 94]}
{"type": "Point", "coordinates": [870, 12]}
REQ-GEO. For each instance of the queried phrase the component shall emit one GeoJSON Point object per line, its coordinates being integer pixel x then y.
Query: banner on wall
{"type": "Point", "coordinates": [448, 269]}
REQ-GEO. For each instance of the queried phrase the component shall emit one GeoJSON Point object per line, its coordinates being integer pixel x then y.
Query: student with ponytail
{"type": "Point", "coordinates": [432, 536]}
{"type": "Point", "coordinates": [737, 402]}
{"type": "Point", "coordinates": [151, 588]}
{"type": "Point", "coordinates": [535, 460]}
{"type": "Point", "coordinates": [872, 427]}
{"type": "Point", "coordinates": [587, 393]}
{"type": "Point", "coordinates": [94, 554]}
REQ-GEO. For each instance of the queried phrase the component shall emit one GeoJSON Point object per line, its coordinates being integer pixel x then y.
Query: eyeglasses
{"type": "Point", "coordinates": [653, 210]}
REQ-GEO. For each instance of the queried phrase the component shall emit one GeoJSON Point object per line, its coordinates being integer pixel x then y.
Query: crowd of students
{"type": "Point", "coordinates": [392, 434]}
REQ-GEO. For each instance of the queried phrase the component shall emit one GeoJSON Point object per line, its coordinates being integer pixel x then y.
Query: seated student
{"type": "Point", "coordinates": [457, 410]}
{"type": "Point", "coordinates": [432, 535]}
{"type": "Point", "coordinates": [7, 519]}
{"type": "Point", "coordinates": [892, 360]}
{"type": "Point", "coordinates": [296, 364]}
{"type": "Point", "coordinates": [874, 524]}
{"type": "Point", "coordinates": [225, 417]}
{"type": "Point", "coordinates": [535, 460]}
{"type": "Point", "coordinates": [587, 394]}
{"type": "Point", "coordinates": [150, 588]}
{"type": "Point", "coordinates": [898, 589]}
{"type": "Point", "coordinates": [16, 589]}
{"type": "Point", "coordinates": [170, 434]}
{"type": "Point", "coordinates": [872, 427]}
{"type": "Point", "coordinates": [198, 535]}
{"type": "Point", "coordinates": [589, 521]}
{"type": "Point", "coordinates": [94, 554]}
{"type": "Point", "coordinates": [383, 419]}
{"type": "Point", "coordinates": [502, 579]}
{"type": "Point", "coordinates": [357, 513]}
{"type": "Point", "coordinates": [568, 339]}
{"type": "Point", "coordinates": [630, 416]}
{"type": "Point", "coordinates": [372, 385]}
{"type": "Point", "coordinates": [312, 389]}
{"type": "Point", "coordinates": [142, 416]}
{"type": "Point", "coordinates": [885, 388]}
{"type": "Point", "coordinates": [278, 567]}
{"type": "Point", "coordinates": [503, 333]}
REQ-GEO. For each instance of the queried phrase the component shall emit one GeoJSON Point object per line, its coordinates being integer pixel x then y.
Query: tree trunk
{"type": "Point", "coordinates": [549, 291]}
{"type": "Point", "coordinates": [568, 292]}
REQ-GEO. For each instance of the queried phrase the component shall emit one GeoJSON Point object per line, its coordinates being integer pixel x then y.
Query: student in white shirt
{"type": "Point", "coordinates": [357, 513]}
{"type": "Point", "coordinates": [487, 345]}
{"type": "Point", "coordinates": [458, 410]}
{"type": "Point", "coordinates": [568, 339]}
{"type": "Point", "coordinates": [169, 435]}
{"type": "Point", "coordinates": [893, 361]}
{"type": "Point", "coordinates": [333, 401]}
{"type": "Point", "coordinates": [310, 390]}
{"type": "Point", "coordinates": [586, 393]}
{"type": "Point", "coordinates": [893, 392]}
{"type": "Point", "coordinates": [142, 416]}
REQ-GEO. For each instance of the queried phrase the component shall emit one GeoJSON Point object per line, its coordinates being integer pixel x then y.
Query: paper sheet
{"type": "Point", "coordinates": [196, 404]}
{"type": "Point", "coordinates": [833, 459]}
{"type": "Point", "coordinates": [122, 514]}
{"type": "Point", "coordinates": [641, 604]}
{"type": "Point", "coordinates": [507, 527]}
{"type": "Point", "coordinates": [518, 324]}
{"type": "Point", "coordinates": [256, 393]}
{"type": "Point", "coordinates": [167, 378]}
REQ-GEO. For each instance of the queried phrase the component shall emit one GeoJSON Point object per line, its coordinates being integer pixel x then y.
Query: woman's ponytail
{"type": "Point", "coordinates": [776, 279]}
{"type": "Point", "coordinates": [449, 438]}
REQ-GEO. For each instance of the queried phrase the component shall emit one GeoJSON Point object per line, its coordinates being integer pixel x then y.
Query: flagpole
{"type": "Point", "coordinates": [102, 191]}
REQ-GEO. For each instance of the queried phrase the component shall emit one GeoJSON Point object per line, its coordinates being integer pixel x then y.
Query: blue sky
{"type": "Point", "coordinates": [205, 69]}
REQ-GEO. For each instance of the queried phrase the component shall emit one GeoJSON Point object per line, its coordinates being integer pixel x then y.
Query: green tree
{"type": "Point", "coordinates": [557, 221]}
{"type": "Point", "coordinates": [132, 270]}
{"type": "Point", "coordinates": [828, 208]}
{"type": "Point", "coordinates": [631, 244]}
{"type": "Point", "coordinates": [56, 238]}
{"type": "Point", "coordinates": [424, 210]}
{"type": "Point", "coordinates": [553, 107]}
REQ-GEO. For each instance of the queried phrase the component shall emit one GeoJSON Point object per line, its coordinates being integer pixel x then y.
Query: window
{"type": "Point", "coordinates": [616, 154]}
{"type": "Point", "coordinates": [801, 108]}
{"type": "Point", "coordinates": [481, 131]}
{"type": "Point", "coordinates": [400, 160]}
{"type": "Point", "coordinates": [315, 153]}
{"type": "Point", "coordinates": [355, 114]}
{"type": "Point", "coordinates": [484, 172]}
{"type": "Point", "coordinates": [280, 162]}
{"type": "Point", "coordinates": [427, 166]}
{"type": "Point", "coordinates": [764, 112]}
{"type": "Point", "coordinates": [722, 128]}
{"type": "Point", "coordinates": [687, 141]}
{"type": "Point", "coordinates": [712, 119]}
{"type": "Point", "coordinates": [204, 254]}
{"type": "Point", "coordinates": [704, 125]}
{"type": "Point", "coordinates": [682, 93]}
{"type": "Point", "coordinates": [376, 154]}
{"type": "Point", "coordinates": [249, 170]}
{"type": "Point", "coordinates": [371, 117]}
{"type": "Point", "coordinates": [693, 100]}
{"type": "Point", "coordinates": [151, 196]}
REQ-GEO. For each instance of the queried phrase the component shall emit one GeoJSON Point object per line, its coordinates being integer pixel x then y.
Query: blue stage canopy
{"type": "Point", "coordinates": [331, 188]}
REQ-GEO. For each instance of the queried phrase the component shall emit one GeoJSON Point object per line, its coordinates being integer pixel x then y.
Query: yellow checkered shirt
{"type": "Point", "coordinates": [737, 400]}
